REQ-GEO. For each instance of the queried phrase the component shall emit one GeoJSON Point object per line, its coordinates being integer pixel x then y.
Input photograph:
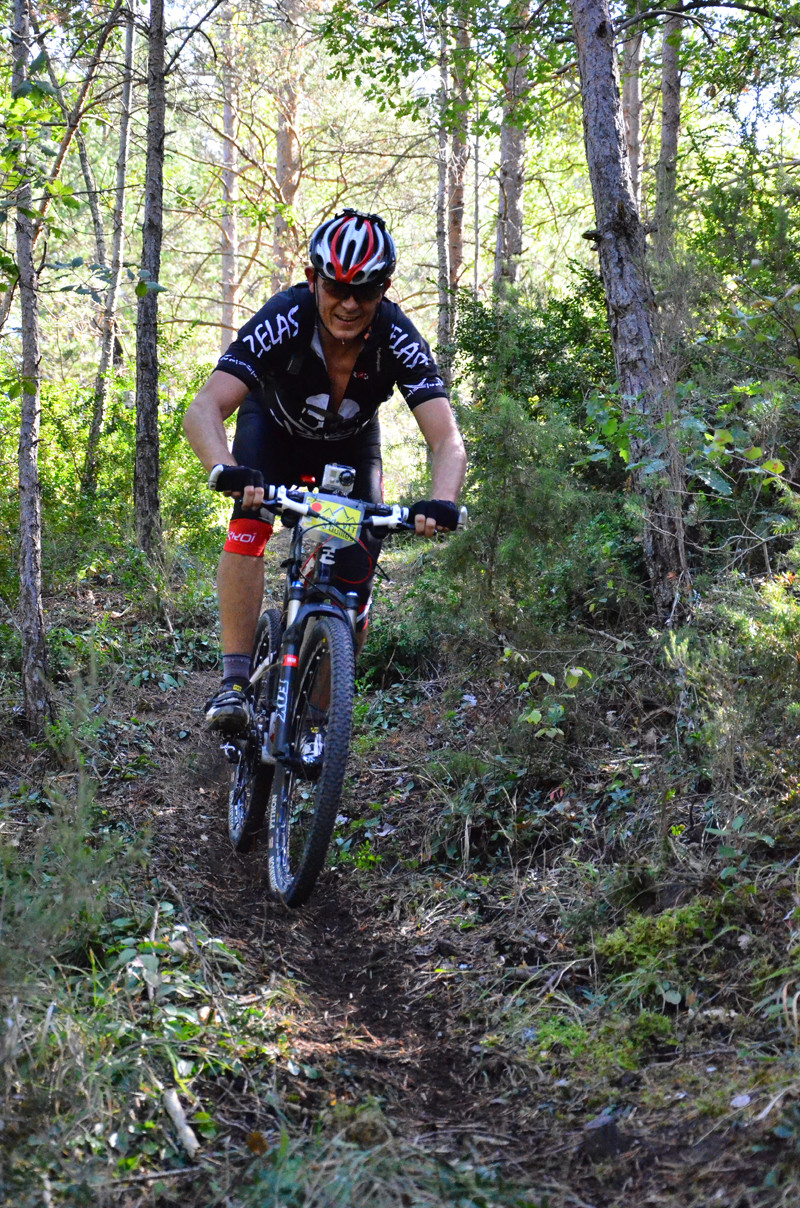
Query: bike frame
{"type": "Point", "coordinates": [308, 693]}
{"type": "Point", "coordinates": [303, 600]}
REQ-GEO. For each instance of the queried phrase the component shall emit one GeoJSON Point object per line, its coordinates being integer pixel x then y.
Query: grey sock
{"type": "Point", "coordinates": [237, 665]}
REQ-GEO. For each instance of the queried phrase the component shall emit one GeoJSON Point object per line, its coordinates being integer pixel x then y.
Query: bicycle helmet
{"type": "Point", "coordinates": [353, 248]}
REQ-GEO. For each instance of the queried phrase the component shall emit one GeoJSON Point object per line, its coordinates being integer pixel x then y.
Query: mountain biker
{"type": "Point", "coordinates": [308, 373]}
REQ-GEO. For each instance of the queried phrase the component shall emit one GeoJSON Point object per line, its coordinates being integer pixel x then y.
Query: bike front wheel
{"type": "Point", "coordinates": [251, 780]}
{"type": "Point", "coordinates": [307, 786]}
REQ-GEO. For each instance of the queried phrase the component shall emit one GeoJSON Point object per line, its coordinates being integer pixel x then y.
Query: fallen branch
{"type": "Point", "coordinates": [177, 1115]}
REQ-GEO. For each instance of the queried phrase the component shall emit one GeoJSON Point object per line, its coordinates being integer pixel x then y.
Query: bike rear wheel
{"type": "Point", "coordinates": [306, 792]}
{"type": "Point", "coordinates": [251, 780]}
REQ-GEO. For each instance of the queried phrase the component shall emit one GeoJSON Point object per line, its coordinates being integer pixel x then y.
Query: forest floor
{"type": "Point", "coordinates": [426, 1031]}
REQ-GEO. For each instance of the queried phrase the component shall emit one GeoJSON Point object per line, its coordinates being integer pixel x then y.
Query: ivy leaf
{"type": "Point", "coordinates": [149, 287]}
{"type": "Point", "coordinates": [715, 481]}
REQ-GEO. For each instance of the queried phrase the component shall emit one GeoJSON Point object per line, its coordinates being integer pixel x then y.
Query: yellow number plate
{"type": "Point", "coordinates": [332, 518]}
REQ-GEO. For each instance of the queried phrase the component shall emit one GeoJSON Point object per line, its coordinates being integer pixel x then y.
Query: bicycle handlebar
{"type": "Point", "coordinates": [389, 517]}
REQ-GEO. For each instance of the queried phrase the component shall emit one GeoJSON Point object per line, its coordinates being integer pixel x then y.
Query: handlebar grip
{"type": "Point", "coordinates": [463, 517]}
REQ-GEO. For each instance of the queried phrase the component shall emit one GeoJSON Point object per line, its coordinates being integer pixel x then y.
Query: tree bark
{"type": "Point", "coordinates": [37, 704]}
{"type": "Point", "coordinates": [230, 184]}
{"type": "Point", "coordinates": [666, 168]}
{"type": "Point", "coordinates": [147, 507]}
{"type": "Point", "coordinates": [108, 323]}
{"type": "Point", "coordinates": [443, 332]}
{"type": "Point", "coordinates": [632, 107]}
{"type": "Point", "coordinates": [631, 306]}
{"type": "Point", "coordinates": [459, 157]}
{"type": "Point", "coordinates": [288, 160]}
{"type": "Point", "coordinates": [511, 174]}
{"type": "Point", "coordinates": [101, 250]}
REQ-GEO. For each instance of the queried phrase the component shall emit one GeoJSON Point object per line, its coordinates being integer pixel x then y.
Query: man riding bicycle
{"type": "Point", "coordinates": [308, 373]}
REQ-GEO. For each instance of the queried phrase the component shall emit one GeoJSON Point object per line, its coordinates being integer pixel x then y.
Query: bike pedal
{"type": "Point", "coordinates": [231, 752]}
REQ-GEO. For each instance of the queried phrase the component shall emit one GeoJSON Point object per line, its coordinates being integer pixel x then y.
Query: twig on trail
{"type": "Point", "coordinates": [523, 973]}
{"type": "Point", "coordinates": [774, 1101]}
{"type": "Point", "coordinates": [177, 1115]}
{"type": "Point", "coordinates": [151, 992]}
{"type": "Point", "coordinates": [494, 1138]}
{"type": "Point", "coordinates": [157, 1174]}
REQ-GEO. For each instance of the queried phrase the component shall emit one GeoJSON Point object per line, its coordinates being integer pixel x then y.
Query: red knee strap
{"type": "Point", "coordinates": [248, 536]}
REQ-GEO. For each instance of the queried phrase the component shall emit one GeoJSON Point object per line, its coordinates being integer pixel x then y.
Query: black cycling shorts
{"type": "Point", "coordinates": [285, 460]}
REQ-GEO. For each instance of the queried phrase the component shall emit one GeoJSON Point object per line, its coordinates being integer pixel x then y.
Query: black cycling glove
{"type": "Point", "coordinates": [442, 511]}
{"type": "Point", "coordinates": [234, 478]}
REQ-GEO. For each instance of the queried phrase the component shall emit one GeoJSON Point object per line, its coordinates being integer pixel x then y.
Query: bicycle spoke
{"type": "Point", "coordinates": [307, 789]}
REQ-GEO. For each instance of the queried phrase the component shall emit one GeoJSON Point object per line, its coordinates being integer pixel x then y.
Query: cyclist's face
{"type": "Point", "coordinates": [346, 313]}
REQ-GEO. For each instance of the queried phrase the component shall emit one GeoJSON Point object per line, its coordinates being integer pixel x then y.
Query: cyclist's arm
{"type": "Point", "coordinates": [448, 458]}
{"type": "Point", "coordinates": [204, 425]}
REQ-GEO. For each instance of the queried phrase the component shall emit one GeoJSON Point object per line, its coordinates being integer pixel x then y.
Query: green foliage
{"type": "Point", "coordinates": [398, 643]}
{"type": "Point", "coordinates": [650, 954]}
{"type": "Point", "coordinates": [547, 712]}
{"type": "Point", "coordinates": [600, 1047]}
{"type": "Point", "coordinates": [734, 445]}
{"type": "Point", "coordinates": [59, 860]}
{"type": "Point", "coordinates": [740, 662]}
{"type": "Point", "coordinates": [550, 352]}
{"type": "Point", "coordinates": [384, 52]}
{"type": "Point", "coordinates": [547, 539]}
{"type": "Point", "coordinates": [338, 1173]}
{"type": "Point", "coordinates": [92, 538]}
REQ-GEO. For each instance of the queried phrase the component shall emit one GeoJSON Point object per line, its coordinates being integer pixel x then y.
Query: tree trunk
{"type": "Point", "coordinates": [145, 486]}
{"type": "Point", "coordinates": [511, 174]}
{"type": "Point", "coordinates": [287, 172]}
{"type": "Point", "coordinates": [38, 707]}
{"type": "Point", "coordinates": [476, 200]}
{"type": "Point", "coordinates": [108, 323]}
{"type": "Point", "coordinates": [230, 184]}
{"type": "Point", "coordinates": [666, 169]}
{"type": "Point", "coordinates": [287, 153]}
{"type": "Point", "coordinates": [632, 107]}
{"type": "Point", "coordinates": [101, 250]}
{"type": "Point", "coordinates": [630, 303]}
{"type": "Point", "coordinates": [459, 157]}
{"type": "Point", "coordinates": [443, 332]}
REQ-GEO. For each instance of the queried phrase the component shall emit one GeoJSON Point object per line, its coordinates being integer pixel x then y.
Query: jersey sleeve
{"type": "Point", "coordinates": [264, 344]}
{"type": "Point", "coordinates": [417, 375]}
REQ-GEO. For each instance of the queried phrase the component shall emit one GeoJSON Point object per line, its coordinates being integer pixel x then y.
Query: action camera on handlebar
{"type": "Point", "coordinates": [338, 480]}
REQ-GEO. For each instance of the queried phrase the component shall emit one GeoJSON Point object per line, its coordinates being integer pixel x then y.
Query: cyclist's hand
{"type": "Point", "coordinates": [241, 482]}
{"type": "Point", "coordinates": [432, 515]}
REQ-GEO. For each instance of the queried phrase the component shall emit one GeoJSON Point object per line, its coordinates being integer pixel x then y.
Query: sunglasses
{"type": "Point", "coordinates": [341, 291]}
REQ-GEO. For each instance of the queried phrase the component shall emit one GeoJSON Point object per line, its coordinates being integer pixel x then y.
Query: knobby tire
{"type": "Point", "coordinates": [251, 780]}
{"type": "Point", "coordinates": [302, 810]}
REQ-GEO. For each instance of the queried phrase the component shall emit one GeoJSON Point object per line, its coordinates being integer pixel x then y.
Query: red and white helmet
{"type": "Point", "coordinates": [353, 248]}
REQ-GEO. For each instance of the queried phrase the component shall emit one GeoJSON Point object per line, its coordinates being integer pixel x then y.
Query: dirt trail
{"type": "Point", "coordinates": [374, 1020]}
{"type": "Point", "coordinates": [397, 1012]}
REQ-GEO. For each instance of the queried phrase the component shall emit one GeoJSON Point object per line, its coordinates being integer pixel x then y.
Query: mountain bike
{"type": "Point", "coordinates": [289, 766]}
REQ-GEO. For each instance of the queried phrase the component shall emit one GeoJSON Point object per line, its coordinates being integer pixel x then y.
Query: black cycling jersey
{"type": "Point", "coordinates": [278, 355]}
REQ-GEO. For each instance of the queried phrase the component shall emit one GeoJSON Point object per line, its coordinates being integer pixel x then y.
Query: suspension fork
{"type": "Point", "coordinates": [276, 741]}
